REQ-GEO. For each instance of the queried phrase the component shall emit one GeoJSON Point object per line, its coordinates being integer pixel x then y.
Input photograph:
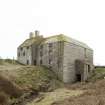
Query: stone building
{"type": "Point", "coordinates": [70, 59]}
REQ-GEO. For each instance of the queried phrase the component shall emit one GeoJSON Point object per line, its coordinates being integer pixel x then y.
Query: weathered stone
{"type": "Point", "coordinates": [69, 59]}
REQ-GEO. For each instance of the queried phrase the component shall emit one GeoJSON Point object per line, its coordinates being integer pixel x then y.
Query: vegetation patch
{"type": "Point", "coordinates": [100, 70]}
{"type": "Point", "coordinates": [1, 61]}
{"type": "Point", "coordinates": [30, 79]}
{"type": "Point", "coordinates": [99, 73]}
{"type": "Point", "coordinates": [34, 77]}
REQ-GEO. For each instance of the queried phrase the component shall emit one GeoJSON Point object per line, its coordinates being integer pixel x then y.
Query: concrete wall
{"type": "Point", "coordinates": [73, 52]}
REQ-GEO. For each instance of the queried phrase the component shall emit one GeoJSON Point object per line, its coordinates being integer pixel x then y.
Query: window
{"type": "Point", "coordinates": [27, 47]}
{"type": "Point", "coordinates": [50, 61]}
{"type": "Point", "coordinates": [41, 62]}
{"type": "Point", "coordinates": [78, 77]}
{"type": "Point", "coordinates": [50, 51]}
{"type": "Point", "coordinates": [21, 48]}
{"type": "Point", "coordinates": [24, 53]}
{"type": "Point", "coordinates": [27, 62]}
{"type": "Point", "coordinates": [41, 50]}
{"type": "Point", "coordinates": [59, 42]}
{"type": "Point", "coordinates": [34, 62]}
{"type": "Point", "coordinates": [41, 47]}
{"type": "Point", "coordinates": [50, 44]}
{"type": "Point", "coordinates": [88, 68]}
{"type": "Point", "coordinates": [50, 48]}
{"type": "Point", "coordinates": [18, 54]}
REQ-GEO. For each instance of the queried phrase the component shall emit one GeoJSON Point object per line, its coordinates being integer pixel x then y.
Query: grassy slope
{"type": "Point", "coordinates": [35, 77]}
{"type": "Point", "coordinates": [29, 78]}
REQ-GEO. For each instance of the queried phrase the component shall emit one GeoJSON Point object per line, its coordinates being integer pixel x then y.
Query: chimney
{"type": "Point", "coordinates": [31, 35]}
{"type": "Point", "coordinates": [37, 33]}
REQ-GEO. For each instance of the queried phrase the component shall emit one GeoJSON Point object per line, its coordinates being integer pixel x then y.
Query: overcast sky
{"type": "Point", "coordinates": [83, 20]}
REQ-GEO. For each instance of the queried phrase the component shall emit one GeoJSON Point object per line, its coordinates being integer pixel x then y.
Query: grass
{"type": "Point", "coordinates": [99, 73]}
{"type": "Point", "coordinates": [1, 61]}
{"type": "Point", "coordinates": [39, 78]}
{"type": "Point", "coordinates": [9, 61]}
{"type": "Point", "coordinates": [29, 79]}
{"type": "Point", "coordinates": [100, 70]}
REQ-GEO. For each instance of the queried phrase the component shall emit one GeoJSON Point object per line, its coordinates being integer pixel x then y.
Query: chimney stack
{"type": "Point", "coordinates": [37, 33]}
{"type": "Point", "coordinates": [31, 35]}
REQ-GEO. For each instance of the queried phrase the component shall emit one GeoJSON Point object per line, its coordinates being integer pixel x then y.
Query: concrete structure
{"type": "Point", "coordinates": [70, 59]}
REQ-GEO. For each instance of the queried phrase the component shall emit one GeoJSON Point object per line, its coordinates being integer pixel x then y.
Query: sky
{"type": "Point", "coordinates": [83, 20]}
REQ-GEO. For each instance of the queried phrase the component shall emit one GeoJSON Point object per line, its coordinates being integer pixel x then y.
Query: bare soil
{"type": "Point", "coordinates": [94, 94]}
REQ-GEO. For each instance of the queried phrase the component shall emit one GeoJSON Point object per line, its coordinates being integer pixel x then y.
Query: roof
{"type": "Point", "coordinates": [53, 38]}
{"type": "Point", "coordinates": [31, 41]}
{"type": "Point", "coordinates": [64, 38]}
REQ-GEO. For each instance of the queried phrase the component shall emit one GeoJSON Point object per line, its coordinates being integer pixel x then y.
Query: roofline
{"type": "Point", "coordinates": [73, 44]}
{"type": "Point", "coordinates": [47, 38]}
{"type": "Point", "coordinates": [80, 45]}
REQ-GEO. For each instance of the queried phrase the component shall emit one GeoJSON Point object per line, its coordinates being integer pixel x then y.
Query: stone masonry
{"type": "Point", "coordinates": [70, 59]}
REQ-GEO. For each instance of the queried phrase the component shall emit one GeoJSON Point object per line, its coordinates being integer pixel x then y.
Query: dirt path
{"type": "Point", "coordinates": [58, 95]}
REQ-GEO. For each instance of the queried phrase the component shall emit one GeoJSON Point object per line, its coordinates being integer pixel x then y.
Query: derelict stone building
{"type": "Point", "coordinates": [70, 59]}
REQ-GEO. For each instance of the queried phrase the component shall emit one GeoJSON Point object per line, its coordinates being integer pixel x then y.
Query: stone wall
{"type": "Point", "coordinates": [52, 56]}
{"type": "Point", "coordinates": [24, 55]}
{"type": "Point", "coordinates": [59, 56]}
{"type": "Point", "coordinates": [73, 52]}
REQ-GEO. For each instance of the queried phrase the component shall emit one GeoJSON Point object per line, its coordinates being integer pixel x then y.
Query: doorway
{"type": "Point", "coordinates": [34, 62]}
{"type": "Point", "coordinates": [88, 68]}
{"type": "Point", "coordinates": [78, 76]}
{"type": "Point", "coordinates": [27, 62]}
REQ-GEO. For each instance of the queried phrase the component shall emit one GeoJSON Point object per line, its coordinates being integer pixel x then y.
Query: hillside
{"type": "Point", "coordinates": [34, 85]}
{"type": "Point", "coordinates": [29, 79]}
